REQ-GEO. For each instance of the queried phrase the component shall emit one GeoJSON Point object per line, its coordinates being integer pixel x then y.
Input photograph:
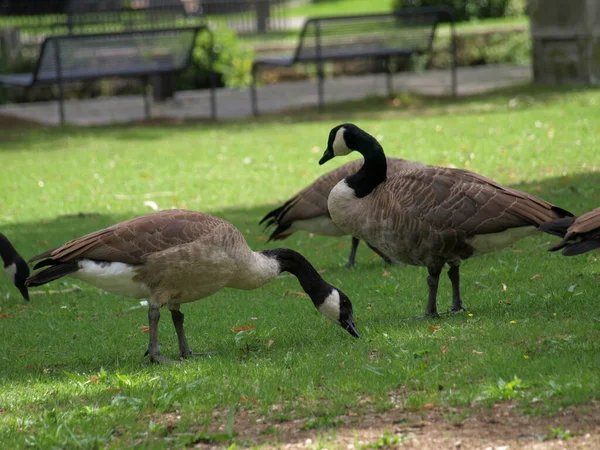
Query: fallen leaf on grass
{"type": "Point", "coordinates": [424, 406]}
{"type": "Point", "coordinates": [270, 343]}
{"type": "Point", "coordinates": [386, 273]}
{"type": "Point", "coordinates": [43, 243]}
{"type": "Point", "coordinates": [475, 352]}
{"type": "Point", "coordinates": [537, 276]}
{"type": "Point", "coordinates": [144, 329]}
{"type": "Point", "coordinates": [444, 349]}
{"type": "Point", "coordinates": [3, 315]}
{"type": "Point", "coordinates": [434, 328]}
{"type": "Point", "coordinates": [243, 328]}
{"type": "Point", "coordinates": [503, 287]}
{"type": "Point", "coordinates": [93, 379]}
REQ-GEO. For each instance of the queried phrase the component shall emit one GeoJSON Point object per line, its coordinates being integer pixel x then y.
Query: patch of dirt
{"type": "Point", "coordinates": [499, 428]}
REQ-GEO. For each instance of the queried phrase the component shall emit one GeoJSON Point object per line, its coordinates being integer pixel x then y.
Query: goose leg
{"type": "Point", "coordinates": [184, 349]}
{"type": "Point", "coordinates": [153, 348]}
{"type": "Point", "coordinates": [383, 256]}
{"type": "Point", "coordinates": [454, 275]}
{"type": "Point", "coordinates": [432, 281]}
{"type": "Point", "coordinates": [352, 257]}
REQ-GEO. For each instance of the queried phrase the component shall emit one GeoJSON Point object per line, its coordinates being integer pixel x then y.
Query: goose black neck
{"type": "Point", "coordinates": [296, 264]}
{"type": "Point", "coordinates": [7, 251]}
{"type": "Point", "coordinates": [374, 170]}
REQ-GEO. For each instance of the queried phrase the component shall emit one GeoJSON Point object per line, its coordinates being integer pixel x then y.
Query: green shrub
{"type": "Point", "coordinates": [469, 9]}
{"type": "Point", "coordinates": [232, 64]}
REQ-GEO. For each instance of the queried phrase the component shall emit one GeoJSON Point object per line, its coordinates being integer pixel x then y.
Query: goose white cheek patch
{"type": "Point", "coordinates": [12, 271]}
{"type": "Point", "coordinates": [339, 143]}
{"type": "Point", "coordinates": [331, 306]}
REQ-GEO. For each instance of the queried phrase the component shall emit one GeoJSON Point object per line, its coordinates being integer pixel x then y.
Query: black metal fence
{"type": "Point", "coordinates": [57, 16]}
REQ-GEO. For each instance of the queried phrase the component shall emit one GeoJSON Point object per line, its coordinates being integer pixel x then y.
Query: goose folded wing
{"type": "Point", "coordinates": [454, 199]}
{"type": "Point", "coordinates": [131, 241]}
{"type": "Point", "coordinates": [586, 223]}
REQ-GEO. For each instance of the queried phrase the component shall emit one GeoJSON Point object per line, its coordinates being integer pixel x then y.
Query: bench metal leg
{"type": "Point", "coordinates": [146, 83]}
{"type": "Point", "coordinates": [320, 86]}
{"type": "Point", "coordinates": [253, 98]}
{"type": "Point", "coordinates": [388, 75]}
{"type": "Point", "coordinates": [61, 103]}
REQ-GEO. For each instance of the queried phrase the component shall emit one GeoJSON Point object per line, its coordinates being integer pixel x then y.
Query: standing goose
{"type": "Point", "coordinates": [428, 216]}
{"type": "Point", "coordinates": [15, 266]}
{"type": "Point", "coordinates": [177, 256]}
{"type": "Point", "coordinates": [307, 210]}
{"type": "Point", "coordinates": [580, 234]}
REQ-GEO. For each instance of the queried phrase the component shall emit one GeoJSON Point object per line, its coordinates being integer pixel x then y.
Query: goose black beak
{"type": "Point", "coordinates": [348, 325]}
{"type": "Point", "coordinates": [326, 156]}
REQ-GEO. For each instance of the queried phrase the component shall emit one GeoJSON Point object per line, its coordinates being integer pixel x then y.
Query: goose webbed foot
{"type": "Point", "coordinates": [158, 358]}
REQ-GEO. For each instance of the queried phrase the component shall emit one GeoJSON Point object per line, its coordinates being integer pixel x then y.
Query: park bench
{"type": "Point", "coordinates": [397, 35]}
{"type": "Point", "coordinates": [137, 54]}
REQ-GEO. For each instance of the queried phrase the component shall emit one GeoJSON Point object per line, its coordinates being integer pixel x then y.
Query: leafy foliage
{"type": "Point", "coordinates": [469, 9]}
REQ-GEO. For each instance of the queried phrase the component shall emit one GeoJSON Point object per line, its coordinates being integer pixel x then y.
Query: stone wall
{"type": "Point", "coordinates": [566, 41]}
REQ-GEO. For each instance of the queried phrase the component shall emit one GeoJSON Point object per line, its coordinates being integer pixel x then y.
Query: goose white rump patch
{"type": "Point", "coordinates": [11, 270]}
{"type": "Point", "coordinates": [115, 277]}
{"type": "Point", "coordinates": [330, 308]}
{"type": "Point", "coordinates": [484, 243]}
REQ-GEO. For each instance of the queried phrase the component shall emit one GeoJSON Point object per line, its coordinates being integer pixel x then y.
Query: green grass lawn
{"type": "Point", "coordinates": [72, 372]}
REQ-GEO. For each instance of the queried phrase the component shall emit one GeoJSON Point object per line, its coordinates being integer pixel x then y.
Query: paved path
{"type": "Point", "coordinates": [235, 103]}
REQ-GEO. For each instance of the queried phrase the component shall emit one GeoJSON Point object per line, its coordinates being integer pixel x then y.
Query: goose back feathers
{"type": "Point", "coordinates": [580, 234]}
{"type": "Point", "coordinates": [424, 214]}
{"type": "Point", "coordinates": [179, 256]}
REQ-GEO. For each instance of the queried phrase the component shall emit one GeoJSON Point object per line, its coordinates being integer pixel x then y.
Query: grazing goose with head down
{"type": "Point", "coordinates": [177, 256]}
{"type": "Point", "coordinates": [307, 210]}
{"type": "Point", "coordinates": [15, 266]}
{"type": "Point", "coordinates": [428, 216]}
{"type": "Point", "coordinates": [579, 235]}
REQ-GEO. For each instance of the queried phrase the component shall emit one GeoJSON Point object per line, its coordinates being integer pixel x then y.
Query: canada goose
{"type": "Point", "coordinates": [177, 256]}
{"type": "Point", "coordinates": [580, 234]}
{"type": "Point", "coordinates": [307, 210]}
{"type": "Point", "coordinates": [15, 266]}
{"type": "Point", "coordinates": [425, 215]}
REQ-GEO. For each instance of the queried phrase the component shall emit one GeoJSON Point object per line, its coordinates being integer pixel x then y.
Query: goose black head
{"type": "Point", "coordinates": [336, 306]}
{"type": "Point", "coordinates": [14, 265]}
{"type": "Point", "coordinates": [343, 139]}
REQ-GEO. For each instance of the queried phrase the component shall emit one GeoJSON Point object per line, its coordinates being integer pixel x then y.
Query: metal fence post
{"type": "Point", "coordinates": [61, 93]}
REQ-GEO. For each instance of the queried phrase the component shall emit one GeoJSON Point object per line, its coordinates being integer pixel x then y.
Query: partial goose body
{"type": "Point", "coordinates": [428, 216]}
{"type": "Point", "coordinates": [177, 256]}
{"type": "Point", "coordinates": [308, 210]}
{"type": "Point", "coordinates": [579, 235]}
{"type": "Point", "coordinates": [14, 265]}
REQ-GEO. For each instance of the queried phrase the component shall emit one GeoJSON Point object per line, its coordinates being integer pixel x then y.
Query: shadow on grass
{"type": "Point", "coordinates": [514, 98]}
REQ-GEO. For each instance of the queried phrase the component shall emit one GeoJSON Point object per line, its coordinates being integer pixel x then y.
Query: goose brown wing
{"type": "Point", "coordinates": [586, 223]}
{"type": "Point", "coordinates": [131, 241]}
{"type": "Point", "coordinates": [454, 199]}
